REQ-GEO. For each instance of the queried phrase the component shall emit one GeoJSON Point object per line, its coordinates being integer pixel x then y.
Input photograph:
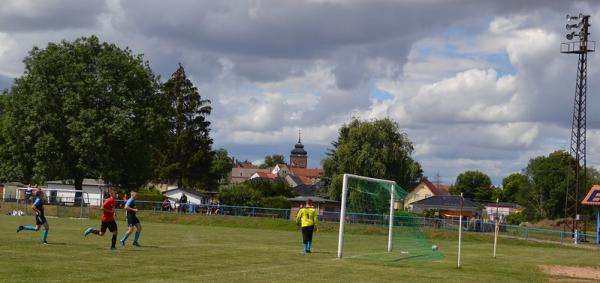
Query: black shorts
{"type": "Point", "coordinates": [40, 219]}
{"type": "Point", "coordinates": [111, 225]}
{"type": "Point", "coordinates": [307, 234]}
{"type": "Point", "coordinates": [132, 220]}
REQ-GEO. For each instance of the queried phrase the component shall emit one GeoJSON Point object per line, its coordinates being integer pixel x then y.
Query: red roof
{"type": "Point", "coordinates": [305, 180]}
{"type": "Point", "coordinates": [266, 175]}
{"type": "Point", "coordinates": [441, 190]}
{"type": "Point", "coordinates": [306, 172]}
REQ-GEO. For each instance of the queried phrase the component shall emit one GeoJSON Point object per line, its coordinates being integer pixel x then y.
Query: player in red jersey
{"type": "Point", "coordinates": [108, 219]}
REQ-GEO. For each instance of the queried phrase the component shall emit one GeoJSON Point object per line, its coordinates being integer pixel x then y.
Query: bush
{"type": "Point", "coordinates": [515, 219]}
{"type": "Point", "coordinates": [241, 194]}
{"type": "Point", "coordinates": [276, 202]}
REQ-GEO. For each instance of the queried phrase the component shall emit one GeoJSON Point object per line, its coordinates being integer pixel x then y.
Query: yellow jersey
{"type": "Point", "coordinates": [307, 216]}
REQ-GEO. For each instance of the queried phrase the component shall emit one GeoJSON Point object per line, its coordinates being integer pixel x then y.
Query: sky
{"type": "Point", "coordinates": [476, 85]}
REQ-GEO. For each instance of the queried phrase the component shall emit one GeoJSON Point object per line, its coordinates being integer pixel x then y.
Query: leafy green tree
{"type": "Point", "coordinates": [221, 166]}
{"type": "Point", "coordinates": [377, 149]}
{"type": "Point", "coordinates": [515, 188]}
{"type": "Point", "coordinates": [272, 160]}
{"type": "Point", "coordinates": [188, 154]}
{"type": "Point", "coordinates": [549, 176]}
{"type": "Point", "coordinates": [81, 109]}
{"type": "Point", "coordinates": [474, 185]}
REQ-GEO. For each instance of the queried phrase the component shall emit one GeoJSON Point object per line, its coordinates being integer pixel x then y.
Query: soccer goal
{"type": "Point", "coordinates": [57, 202]}
{"type": "Point", "coordinates": [370, 227]}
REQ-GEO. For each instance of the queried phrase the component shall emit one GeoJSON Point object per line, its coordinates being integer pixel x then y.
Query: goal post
{"type": "Point", "coordinates": [57, 202]}
{"type": "Point", "coordinates": [344, 208]}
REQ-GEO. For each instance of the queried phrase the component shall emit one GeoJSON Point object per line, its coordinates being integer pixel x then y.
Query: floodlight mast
{"type": "Point", "coordinates": [578, 128]}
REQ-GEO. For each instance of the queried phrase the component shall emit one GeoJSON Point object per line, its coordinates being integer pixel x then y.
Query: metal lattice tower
{"type": "Point", "coordinates": [578, 128]}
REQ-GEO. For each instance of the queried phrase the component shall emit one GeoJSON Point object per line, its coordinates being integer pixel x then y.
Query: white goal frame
{"type": "Point", "coordinates": [343, 209]}
{"type": "Point", "coordinates": [85, 197]}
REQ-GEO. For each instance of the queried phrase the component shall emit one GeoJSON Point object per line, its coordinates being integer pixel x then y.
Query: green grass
{"type": "Point", "coordinates": [242, 249]}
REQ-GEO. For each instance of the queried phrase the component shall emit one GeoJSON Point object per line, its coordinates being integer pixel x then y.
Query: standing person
{"type": "Point", "coordinates": [307, 219]}
{"type": "Point", "coordinates": [108, 219]}
{"type": "Point", "coordinates": [40, 219]}
{"type": "Point", "coordinates": [182, 202]}
{"type": "Point", "coordinates": [132, 220]}
{"type": "Point", "coordinates": [124, 200]}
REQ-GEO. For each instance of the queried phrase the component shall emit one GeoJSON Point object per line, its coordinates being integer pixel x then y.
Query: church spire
{"type": "Point", "coordinates": [299, 136]}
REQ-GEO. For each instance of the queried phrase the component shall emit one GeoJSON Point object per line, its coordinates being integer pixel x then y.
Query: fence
{"type": "Point", "coordinates": [522, 232]}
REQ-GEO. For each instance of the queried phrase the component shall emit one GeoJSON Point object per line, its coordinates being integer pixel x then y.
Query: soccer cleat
{"type": "Point", "coordinates": [122, 243]}
{"type": "Point", "coordinates": [87, 231]}
{"type": "Point", "coordinates": [20, 228]}
{"type": "Point", "coordinates": [44, 243]}
{"type": "Point", "coordinates": [113, 248]}
{"type": "Point", "coordinates": [136, 244]}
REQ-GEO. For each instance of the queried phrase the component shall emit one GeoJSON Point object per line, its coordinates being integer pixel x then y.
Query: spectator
{"type": "Point", "coordinates": [124, 200]}
{"type": "Point", "coordinates": [182, 202]}
{"type": "Point", "coordinates": [28, 193]}
{"type": "Point", "coordinates": [166, 205]}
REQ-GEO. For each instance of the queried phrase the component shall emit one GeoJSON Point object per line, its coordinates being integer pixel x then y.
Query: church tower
{"type": "Point", "coordinates": [298, 156]}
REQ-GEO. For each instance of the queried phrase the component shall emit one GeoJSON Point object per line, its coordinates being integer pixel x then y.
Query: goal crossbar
{"type": "Point", "coordinates": [343, 209]}
{"type": "Point", "coordinates": [84, 198]}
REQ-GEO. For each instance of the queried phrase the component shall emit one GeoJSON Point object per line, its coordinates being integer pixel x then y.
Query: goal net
{"type": "Point", "coordinates": [57, 202]}
{"type": "Point", "coordinates": [368, 228]}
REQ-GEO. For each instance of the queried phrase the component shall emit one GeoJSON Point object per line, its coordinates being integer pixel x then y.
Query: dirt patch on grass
{"type": "Point", "coordinates": [562, 273]}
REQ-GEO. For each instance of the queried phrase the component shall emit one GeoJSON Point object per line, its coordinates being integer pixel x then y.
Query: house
{"type": "Point", "coordinates": [95, 190]}
{"type": "Point", "coordinates": [501, 210]}
{"type": "Point", "coordinates": [264, 176]}
{"type": "Point", "coordinates": [322, 205]}
{"type": "Point", "coordinates": [193, 197]}
{"type": "Point", "coordinates": [424, 190]}
{"type": "Point", "coordinates": [242, 174]}
{"type": "Point", "coordinates": [448, 206]}
{"type": "Point", "coordinates": [9, 190]}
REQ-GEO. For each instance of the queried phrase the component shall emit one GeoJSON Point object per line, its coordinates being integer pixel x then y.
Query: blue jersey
{"type": "Point", "coordinates": [39, 204]}
{"type": "Point", "coordinates": [131, 203]}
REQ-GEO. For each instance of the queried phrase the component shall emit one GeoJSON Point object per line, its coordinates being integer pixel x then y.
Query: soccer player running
{"type": "Point", "coordinates": [108, 219]}
{"type": "Point", "coordinates": [132, 220]}
{"type": "Point", "coordinates": [307, 219]}
{"type": "Point", "coordinates": [40, 219]}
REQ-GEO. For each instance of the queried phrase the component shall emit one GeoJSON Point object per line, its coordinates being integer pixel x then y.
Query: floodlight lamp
{"type": "Point", "coordinates": [571, 18]}
{"type": "Point", "coordinates": [570, 26]}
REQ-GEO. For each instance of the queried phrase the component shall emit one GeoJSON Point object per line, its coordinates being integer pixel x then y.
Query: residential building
{"type": "Point", "coordinates": [423, 190]}
{"type": "Point", "coordinates": [501, 210]}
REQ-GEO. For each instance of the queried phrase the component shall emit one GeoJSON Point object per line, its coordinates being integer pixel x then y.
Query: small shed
{"type": "Point", "coordinates": [321, 204]}
{"type": "Point", "coordinates": [448, 206]}
{"type": "Point", "coordinates": [194, 197]}
{"type": "Point", "coordinates": [95, 189]}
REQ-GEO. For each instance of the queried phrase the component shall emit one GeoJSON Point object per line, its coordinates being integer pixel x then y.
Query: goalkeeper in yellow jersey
{"type": "Point", "coordinates": [307, 219]}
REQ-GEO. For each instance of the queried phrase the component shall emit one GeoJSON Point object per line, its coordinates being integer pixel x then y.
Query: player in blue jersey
{"type": "Point", "coordinates": [40, 219]}
{"type": "Point", "coordinates": [132, 220]}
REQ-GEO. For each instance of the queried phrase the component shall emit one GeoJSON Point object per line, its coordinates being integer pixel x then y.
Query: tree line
{"type": "Point", "coordinates": [89, 109]}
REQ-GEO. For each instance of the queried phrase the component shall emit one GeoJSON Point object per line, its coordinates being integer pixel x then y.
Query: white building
{"type": "Point", "coordinates": [193, 197]}
{"type": "Point", "coordinates": [95, 190]}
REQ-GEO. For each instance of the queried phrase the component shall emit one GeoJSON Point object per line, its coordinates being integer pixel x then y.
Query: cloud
{"type": "Point", "coordinates": [475, 84]}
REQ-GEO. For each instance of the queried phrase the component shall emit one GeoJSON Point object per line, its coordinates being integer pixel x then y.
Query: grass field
{"type": "Point", "coordinates": [240, 249]}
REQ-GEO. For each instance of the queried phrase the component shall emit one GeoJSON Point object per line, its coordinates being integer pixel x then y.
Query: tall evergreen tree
{"type": "Point", "coordinates": [188, 156]}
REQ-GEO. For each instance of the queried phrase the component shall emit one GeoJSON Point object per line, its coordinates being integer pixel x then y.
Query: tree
{"type": "Point", "coordinates": [272, 160]}
{"type": "Point", "coordinates": [81, 109]}
{"type": "Point", "coordinates": [549, 176]}
{"type": "Point", "coordinates": [515, 188]}
{"type": "Point", "coordinates": [377, 149]}
{"type": "Point", "coordinates": [188, 154]}
{"type": "Point", "coordinates": [221, 166]}
{"type": "Point", "coordinates": [474, 185]}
